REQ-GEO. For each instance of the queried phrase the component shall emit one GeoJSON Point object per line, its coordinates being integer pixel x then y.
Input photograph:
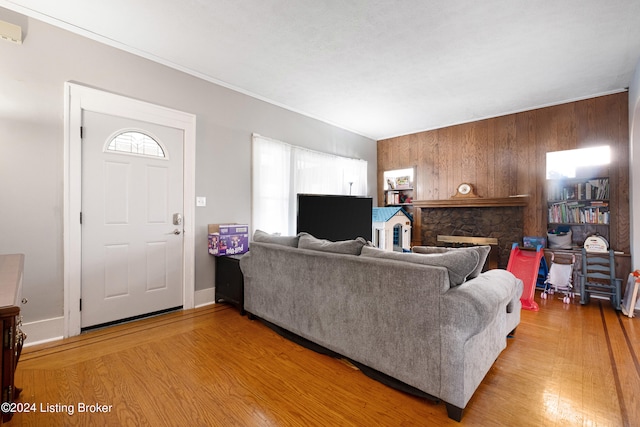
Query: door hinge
{"type": "Point", "coordinates": [80, 217]}
{"type": "Point", "coordinates": [81, 132]}
{"type": "Point", "coordinates": [80, 304]}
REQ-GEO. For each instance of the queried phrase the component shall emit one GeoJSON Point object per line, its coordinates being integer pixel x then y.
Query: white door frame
{"type": "Point", "coordinates": [79, 98]}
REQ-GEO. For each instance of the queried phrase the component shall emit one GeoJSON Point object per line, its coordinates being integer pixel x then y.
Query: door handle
{"type": "Point", "coordinates": [176, 232]}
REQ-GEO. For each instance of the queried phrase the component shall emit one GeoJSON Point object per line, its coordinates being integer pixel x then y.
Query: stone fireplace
{"type": "Point", "coordinates": [457, 241]}
{"type": "Point", "coordinates": [497, 220]}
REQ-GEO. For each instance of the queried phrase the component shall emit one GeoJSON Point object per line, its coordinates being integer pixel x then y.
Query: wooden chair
{"type": "Point", "coordinates": [598, 277]}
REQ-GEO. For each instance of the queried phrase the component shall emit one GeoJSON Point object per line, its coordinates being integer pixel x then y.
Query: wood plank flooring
{"type": "Point", "coordinates": [568, 365]}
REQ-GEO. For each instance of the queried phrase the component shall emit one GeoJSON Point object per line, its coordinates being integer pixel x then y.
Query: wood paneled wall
{"type": "Point", "coordinates": [506, 155]}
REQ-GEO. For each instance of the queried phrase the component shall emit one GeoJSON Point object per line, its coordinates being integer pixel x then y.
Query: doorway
{"type": "Point", "coordinates": [166, 257]}
{"type": "Point", "coordinates": [132, 232]}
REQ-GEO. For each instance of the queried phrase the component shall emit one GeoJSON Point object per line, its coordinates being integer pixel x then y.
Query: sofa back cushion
{"type": "Point", "coordinates": [483, 253]}
{"type": "Point", "coordinates": [350, 247]}
{"type": "Point", "coordinates": [459, 264]}
{"type": "Point", "coordinates": [264, 237]}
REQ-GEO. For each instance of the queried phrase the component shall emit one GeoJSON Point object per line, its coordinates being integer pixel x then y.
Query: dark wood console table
{"type": "Point", "coordinates": [229, 281]}
{"type": "Point", "coordinates": [11, 270]}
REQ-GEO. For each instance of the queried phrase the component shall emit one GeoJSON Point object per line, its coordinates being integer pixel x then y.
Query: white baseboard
{"type": "Point", "coordinates": [205, 297]}
{"type": "Point", "coordinates": [43, 331]}
{"type": "Point", "coordinates": [47, 330]}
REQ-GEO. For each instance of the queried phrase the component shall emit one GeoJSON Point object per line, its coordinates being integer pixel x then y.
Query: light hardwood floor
{"type": "Point", "coordinates": [568, 365]}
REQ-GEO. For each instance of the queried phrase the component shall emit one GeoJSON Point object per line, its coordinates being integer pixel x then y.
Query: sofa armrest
{"type": "Point", "coordinates": [514, 303]}
{"type": "Point", "coordinates": [466, 310]}
{"type": "Point", "coordinates": [470, 306]}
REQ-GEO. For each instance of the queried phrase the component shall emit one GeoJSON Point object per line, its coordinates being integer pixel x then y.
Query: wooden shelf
{"type": "Point", "coordinates": [476, 202]}
{"type": "Point", "coordinates": [605, 224]}
{"type": "Point", "coordinates": [553, 202]}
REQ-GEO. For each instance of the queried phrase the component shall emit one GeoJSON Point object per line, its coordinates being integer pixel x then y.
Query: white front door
{"type": "Point", "coordinates": [132, 229]}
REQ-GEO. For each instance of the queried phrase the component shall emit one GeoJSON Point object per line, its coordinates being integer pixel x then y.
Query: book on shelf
{"type": "Point", "coordinates": [578, 213]}
{"type": "Point", "coordinates": [592, 189]}
{"type": "Point", "coordinates": [393, 198]}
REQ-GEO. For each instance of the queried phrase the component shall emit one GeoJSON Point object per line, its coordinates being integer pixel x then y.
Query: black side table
{"type": "Point", "coordinates": [229, 283]}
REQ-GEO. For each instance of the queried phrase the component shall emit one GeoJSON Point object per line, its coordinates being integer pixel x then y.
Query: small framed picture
{"type": "Point", "coordinates": [403, 182]}
{"type": "Point", "coordinates": [631, 294]}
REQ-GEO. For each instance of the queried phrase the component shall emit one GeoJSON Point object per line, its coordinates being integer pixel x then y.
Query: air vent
{"type": "Point", "coordinates": [10, 32]}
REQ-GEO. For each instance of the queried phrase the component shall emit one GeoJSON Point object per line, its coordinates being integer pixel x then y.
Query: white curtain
{"type": "Point", "coordinates": [281, 171]}
{"type": "Point", "coordinates": [271, 185]}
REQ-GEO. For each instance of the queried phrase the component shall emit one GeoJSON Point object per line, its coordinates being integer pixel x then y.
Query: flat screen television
{"type": "Point", "coordinates": [335, 217]}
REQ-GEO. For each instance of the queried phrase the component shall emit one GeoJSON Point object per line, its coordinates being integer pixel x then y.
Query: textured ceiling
{"type": "Point", "coordinates": [378, 68]}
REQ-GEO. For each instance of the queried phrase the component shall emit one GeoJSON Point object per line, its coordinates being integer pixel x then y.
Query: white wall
{"type": "Point", "coordinates": [32, 79]}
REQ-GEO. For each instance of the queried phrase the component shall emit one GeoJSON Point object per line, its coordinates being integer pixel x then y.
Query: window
{"type": "Point", "coordinates": [576, 163]}
{"type": "Point", "coordinates": [281, 171]}
{"type": "Point", "coordinates": [133, 142]}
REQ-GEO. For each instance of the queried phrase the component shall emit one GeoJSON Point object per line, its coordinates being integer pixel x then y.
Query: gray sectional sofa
{"type": "Point", "coordinates": [433, 321]}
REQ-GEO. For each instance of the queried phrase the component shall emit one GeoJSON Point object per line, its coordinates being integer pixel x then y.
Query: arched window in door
{"type": "Point", "coordinates": [138, 143]}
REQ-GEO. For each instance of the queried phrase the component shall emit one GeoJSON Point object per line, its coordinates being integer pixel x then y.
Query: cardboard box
{"type": "Point", "coordinates": [228, 239]}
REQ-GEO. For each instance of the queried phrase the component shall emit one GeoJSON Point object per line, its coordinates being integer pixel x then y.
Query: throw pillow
{"type": "Point", "coordinates": [483, 253]}
{"type": "Point", "coordinates": [264, 237]}
{"type": "Point", "coordinates": [351, 247]}
{"type": "Point", "coordinates": [460, 264]}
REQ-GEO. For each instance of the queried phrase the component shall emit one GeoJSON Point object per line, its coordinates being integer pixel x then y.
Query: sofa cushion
{"type": "Point", "coordinates": [264, 237]}
{"type": "Point", "coordinates": [350, 247]}
{"type": "Point", "coordinates": [460, 264]}
{"type": "Point", "coordinates": [483, 253]}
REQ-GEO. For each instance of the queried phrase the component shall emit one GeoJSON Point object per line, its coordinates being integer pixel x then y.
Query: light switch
{"type": "Point", "coordinates": [201, 201]}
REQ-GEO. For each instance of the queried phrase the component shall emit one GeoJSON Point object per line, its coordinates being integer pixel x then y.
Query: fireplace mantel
{"type": "Point", "coordinates": [473, 202]}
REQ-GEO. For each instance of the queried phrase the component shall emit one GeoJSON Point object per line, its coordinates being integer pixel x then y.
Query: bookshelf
{"type": "Point", "coordinates": [398, 187]}
{"type": "Point", "coordinates": [580, 203]}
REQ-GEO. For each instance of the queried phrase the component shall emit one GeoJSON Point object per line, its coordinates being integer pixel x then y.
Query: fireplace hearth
{"type": "Point", "coordinates": [465, 241]}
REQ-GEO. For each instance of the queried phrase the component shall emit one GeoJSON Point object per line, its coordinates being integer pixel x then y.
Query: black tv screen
{"type": "Point", "coordinates": [335, 217]}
